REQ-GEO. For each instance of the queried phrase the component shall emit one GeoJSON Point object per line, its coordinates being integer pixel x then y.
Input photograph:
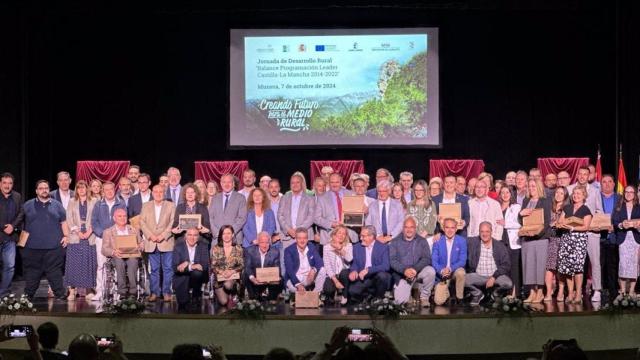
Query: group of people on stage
{"type": "Point", "coordinates": [405, 242]}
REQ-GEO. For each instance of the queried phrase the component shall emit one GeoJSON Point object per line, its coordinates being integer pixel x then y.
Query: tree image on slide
{"type": "Point", "coordinates": [398, 110]}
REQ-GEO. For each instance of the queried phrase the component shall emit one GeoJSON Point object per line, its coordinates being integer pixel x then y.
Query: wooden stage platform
{"type": "Point", "coordinates": [439, 330]}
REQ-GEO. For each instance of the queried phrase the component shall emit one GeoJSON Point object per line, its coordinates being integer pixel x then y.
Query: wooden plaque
{"type": "Point", "coordinates": [307, 299]}
{"type": "Point", "coordinates": [234, 276]}
{"type": "Point", "coordinates": [22, 240]}
{"type": "Point", "coordinates": [453, 211]}
{"type": "Point", "coordinates": [190, 221]}
{"type": "Point", "coordinates": [574, 221]}
{"type": "Point", "coordinates": [533, 224]}
{"type": "Point", "coordinates": [352, 210]}
{"type": "Point", "coordinates": [600, 221]}
{"type": "Point", "coordinates": [128, 246]}
{"type": "Point", "coordinates": [268, 274]}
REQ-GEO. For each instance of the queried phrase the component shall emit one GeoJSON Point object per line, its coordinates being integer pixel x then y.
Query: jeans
{"type": "Point", "coordinates": [8, 250]}
{"type": "Point", "coordinates": [158, 259]}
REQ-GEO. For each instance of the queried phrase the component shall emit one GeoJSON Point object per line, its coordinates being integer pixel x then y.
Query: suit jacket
{"type": "Point", "coordinates": [249, 230]}
{"type": "Point", "coordinates": [55, 194]}
{"type": "Point", "coordinates": [395, 215]}
{"type": "Point", "coordinates": [326, 213]}
{"type": "Point", "coordinates": [619, 216]}
{"type": "Point", "coordinates": [74, 222]}
{"type": "Point", "coordinates": [18, 219]}
{"type": "Point", "coordinates": [379, 258]}
{"type": "Point", "coordinates": [500, 256]}
{"type": "Point", "coordinates": [292, 261]}
{"type": "Point", "coordinates": [167, 194]}
{"type": "Point", "coordinates": [252, 259]}
{"type": "Point", "coordinates": [372, 193]}
{"type": "Point", "coordinates": [205, 220]}
{"type": "Point", "coordinates": [181, 254]}
{"type": "Point", "coordinates": [134, 207]}
{"type": "Point", "coordinates": [102, 218]}
{"type": "Point", "coordinates": [544, 204]}
{"type": "Point", "coordinates": [306, 212]}
{"type": "Point", "coordinates": [464, 204]}
{"type": "Point", "coordinates": [162, 228]}
{"type": "Point", "coordinates": [458, 254]}
{"type": "Point", "coordinates": [235, 214]}
{"type": "Point", "coordinates": [109, 239]}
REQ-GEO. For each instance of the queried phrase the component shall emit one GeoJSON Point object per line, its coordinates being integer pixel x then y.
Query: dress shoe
{"type": "Point", "coordinates": [167, 298]}
{"type": "Point", "coordinates": [152, 298]}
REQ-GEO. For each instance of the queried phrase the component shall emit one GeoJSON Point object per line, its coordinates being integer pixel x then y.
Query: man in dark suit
{"type": "Point", "coordinates": [489, 265]}
{"type": "Point", "coordinates": [142, 196]}
{"type": "Point", "coordinates": [191, 269]}
{"type": "Point", "coordinates": [450, 196]}
{"type": "Point", "coordinates": [261, 256]}
{"type": "Point", "coordinates": [174, 189]}
{"type": "Point", "coordinates": [11, 217]}
{"type": "Point", "coordinates": [609, 252]}
{"type": "Point", "coordinates": [303, 264]}
{"type": "Point", "coordinates": [370, 267]}
{"type": "Point", "coordinates": [63, 193]}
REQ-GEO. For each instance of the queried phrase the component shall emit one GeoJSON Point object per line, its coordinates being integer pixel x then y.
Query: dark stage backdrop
{"type": "Point", "coordinates": [518, 80]}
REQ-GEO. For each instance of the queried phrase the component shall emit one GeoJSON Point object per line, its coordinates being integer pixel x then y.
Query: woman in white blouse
{"type": "Point", "coordinates": [337, 255]}
{"type": "Point", "coordinates": [510, 210]}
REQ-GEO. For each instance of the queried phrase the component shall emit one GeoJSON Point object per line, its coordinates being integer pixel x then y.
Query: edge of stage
{"type": "Point", "coordinates": [439, 330]}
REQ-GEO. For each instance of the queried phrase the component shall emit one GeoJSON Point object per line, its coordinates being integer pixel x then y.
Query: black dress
{"type": "Point", "coordinates": [572, 251]}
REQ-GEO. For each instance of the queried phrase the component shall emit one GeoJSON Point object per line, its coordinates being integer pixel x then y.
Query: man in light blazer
{"type": "Point", "coordinates": [385, 214]}
{"type": "Point", "coordinates": [191, 269]}
{"type": "Point", "coordinates": [296, 209]}
{"type": "Point", "coordinates": [261, 256]}
{"type": "Point", "coordinates": [594, 203]}
{"type": "Point", "coordinates": [328, 210]}
{"type": "Point", "coordinates": [156, 219]}
{"type": "Point", "coordinates": [227, 208]}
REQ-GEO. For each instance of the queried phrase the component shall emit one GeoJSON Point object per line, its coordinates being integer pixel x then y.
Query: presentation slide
{"type": "Point", "coordinates": [353, 88]}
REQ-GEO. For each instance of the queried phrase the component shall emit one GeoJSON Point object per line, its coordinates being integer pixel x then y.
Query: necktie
{"type": "Point", "coordinates": [226, 199]}
{"type": "Point", "coordinates": [173, 195]}
{"type": "Point", "coordinates": [384, 218]}
{"type": "Point", "coordinates": [339, 206]}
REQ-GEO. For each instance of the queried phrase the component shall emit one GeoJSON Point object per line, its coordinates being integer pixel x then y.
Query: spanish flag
{"type": "Point", "coordinates": [622, 178]}
{"type": "Point", "coordinates": [598, 168]}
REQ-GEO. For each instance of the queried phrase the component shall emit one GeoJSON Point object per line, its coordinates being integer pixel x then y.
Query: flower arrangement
{"type": "Point", "coordinates": [623, 303]}
{"type": "Point", "coordinates": [252, 309]}
{"type": "Point", "coordinates": [13, 305]}
{"type": "Point", "coordinates": [383, 307]}
{"type": "Point", "coordinates": [509, 306]}
{"type": "Point", "coordinates": [128, 306]}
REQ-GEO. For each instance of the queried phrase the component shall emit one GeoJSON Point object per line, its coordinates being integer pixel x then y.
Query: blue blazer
{"type": "Point", "coordinates": [181, 254]}
{"type": "Point", "coordinates": [249, 229]}
{"type": "Point", "coordinates": [618, 217]}
{"type": "Point", "coordinates": [464, 204]}
{"type": "Point", "coordinates": [458, 254]}
{"type": "Point", "coordinates": [379, 258]}
{"type": "Point", "coordinates": [102, 218]}
{"type": "Point", "coordinates": [252, 260]}
{"type": "Point", "coordinates": [292, 261]}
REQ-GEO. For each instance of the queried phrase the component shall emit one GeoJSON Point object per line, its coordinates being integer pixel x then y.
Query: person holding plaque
{"type": "Point", "coordinates": [191, 268]}
{"type": "Point", "coordinates": [260, 217]}
{"type": "Point", "coordinates": [534, 247]}
{"type": "Point", "coordinates": [81, 261]}
{"type": "Point", "coordinates": [337, 256]}
{"type": "Point", "coordinates": [423, 210]}
{"type": "Point", "coordinates": [511, 211]}
{"type": "Point", "coordinates": [574, 221]}
{"type": "Point", "coordinates": [329, 211]}
{"type": "Point", "coordinates": [559, 201]}
{"type": "Point", "coordinates": [450, 195]}
{"type": "Point", "coordinates": [625, 221]}
{"type": "Point", "coordinates": [262, 256]}
{"type": "Point", "coordinates": [226, 266]}
{"type": "Point", "coordinates": [122, 243]}
{"type": "Point", "coordinates": [385, 214]}
{"type": "Point", "coordinates": [155, 222]}
{"type": "Point", "coordinates": [191, 214]}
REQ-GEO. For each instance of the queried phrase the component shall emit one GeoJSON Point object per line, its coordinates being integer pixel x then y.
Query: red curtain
{"type": "Point", "coordinates": [343, 167]}
{"type": "Point", "coordinates": [104, 170]}
{"type": "Point", "coordinates": [555, 165]}
{"type": "Point", "coordinates": [213, 170]}
{"type": "Point", "coordinates": [467, 168]}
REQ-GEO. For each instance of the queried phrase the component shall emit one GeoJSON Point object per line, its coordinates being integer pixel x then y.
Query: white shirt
{"type": "Point", "coordinates": [110, 204]}
{"type": "Point", "coordinates": [122, 232]}
{"type": "Point", "coordinates": [449, 248]}
{"type": "Point", "coordinates": [368, 251]}
{"type": "Point", "coordinates": [305, 267]}
{"type": "Point", "coordinates": [157, 209]}
{"type": "Point", "coordinates": [386, 209]}
{"type": "Point", "coordinates": [64, 198]}
{"type": "Point", "coordinates": [259, 221]}
{"type": "Point", "coordinates": [445, 200]}
{"type": "Point", "coordinates": [407, 196]}
{"type": "Point", "coordinates": [263, 256]}
{"type": "Point", "coordinates": [145, 198]}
